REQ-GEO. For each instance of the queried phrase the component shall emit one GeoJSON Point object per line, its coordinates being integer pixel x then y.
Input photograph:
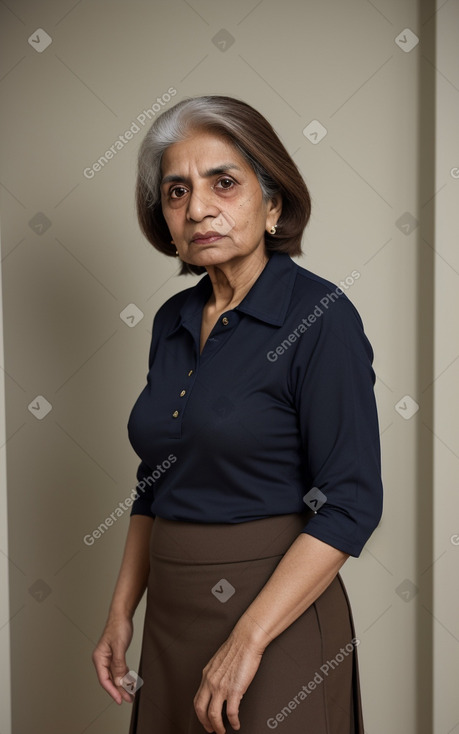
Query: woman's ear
{"type": "Point", "coordinates": [274, 210]}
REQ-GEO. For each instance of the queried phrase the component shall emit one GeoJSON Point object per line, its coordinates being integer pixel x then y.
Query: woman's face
{"type": "Point", "coordinates": [212, 201]}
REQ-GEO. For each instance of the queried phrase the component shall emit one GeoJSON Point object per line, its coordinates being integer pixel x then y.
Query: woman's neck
{"type": "Point", "coordinates": [232, 281]}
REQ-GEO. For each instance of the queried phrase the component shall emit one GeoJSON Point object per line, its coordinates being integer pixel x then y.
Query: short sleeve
{"type": "Point", "coordinates": [144, 487]}
{"type": "Point", "coordinates": [334, 394]}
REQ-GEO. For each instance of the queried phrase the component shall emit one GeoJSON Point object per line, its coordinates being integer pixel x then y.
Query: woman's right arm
{"type": "Point", "coordinates": [109, 655]}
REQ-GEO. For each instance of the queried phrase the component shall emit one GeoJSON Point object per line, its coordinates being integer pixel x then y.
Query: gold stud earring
{"type": "Point", "coordinates": [273, 229]}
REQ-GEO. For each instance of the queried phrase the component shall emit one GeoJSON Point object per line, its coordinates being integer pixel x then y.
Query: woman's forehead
{"type": "Point", "coordinates": [204, 150]}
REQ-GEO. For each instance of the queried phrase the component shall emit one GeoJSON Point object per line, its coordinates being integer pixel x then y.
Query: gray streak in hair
{"type": "Point", "coordinates": [175, 125]}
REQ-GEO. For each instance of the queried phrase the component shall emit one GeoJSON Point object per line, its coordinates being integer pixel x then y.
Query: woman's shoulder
{"type": "Point", "coordinates": [317, 294]}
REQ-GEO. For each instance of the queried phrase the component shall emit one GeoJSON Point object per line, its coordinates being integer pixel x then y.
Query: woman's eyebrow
{"type": "Point", "coordinates": [223, 168]}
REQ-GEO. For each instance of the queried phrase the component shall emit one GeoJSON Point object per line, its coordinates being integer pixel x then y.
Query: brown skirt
{"type": "Point", "coordinates": [202, 578]}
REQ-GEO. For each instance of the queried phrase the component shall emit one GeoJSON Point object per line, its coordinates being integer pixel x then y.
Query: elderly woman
{"type": "Point", "coordinates": [258, 436]}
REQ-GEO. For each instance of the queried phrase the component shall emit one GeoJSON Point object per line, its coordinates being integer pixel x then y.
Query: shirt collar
{"type": "Point", "coordinates": [267, 300]}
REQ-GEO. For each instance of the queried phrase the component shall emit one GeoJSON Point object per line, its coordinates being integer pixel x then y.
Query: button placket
{"type": "Point", "coordinates": [223, 329]}
{"type": "Point", "coordinates": [182, 394]}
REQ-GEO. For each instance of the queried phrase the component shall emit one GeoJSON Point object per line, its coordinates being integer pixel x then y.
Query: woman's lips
{"type": "Point", "coordinates": [206, 239]}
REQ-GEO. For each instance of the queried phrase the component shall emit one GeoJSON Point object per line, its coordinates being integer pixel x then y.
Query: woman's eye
{"type": "Point", "coordinates": [226, 183]}
{"type": "Point", "coordinates": [177, 192]}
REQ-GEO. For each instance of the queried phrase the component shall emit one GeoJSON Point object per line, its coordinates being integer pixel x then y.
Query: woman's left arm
{"type": "Point", "coordinates": [304, 572]}
{"type": "Point", "coordinates": [333, 383]}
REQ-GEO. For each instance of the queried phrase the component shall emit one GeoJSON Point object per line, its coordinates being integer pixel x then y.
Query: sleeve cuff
{"type": "Point", "coordinates": [141, 506]}
{"type": "Point", "coordinates": [351, 547]}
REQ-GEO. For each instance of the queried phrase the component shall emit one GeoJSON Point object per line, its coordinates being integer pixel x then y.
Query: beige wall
{"type": "Point", "coordinates": [5, 652]}
{"type": "Point", "coordinates": [73, 260]}
{"type": "Point", "coordinates": [446, 371]}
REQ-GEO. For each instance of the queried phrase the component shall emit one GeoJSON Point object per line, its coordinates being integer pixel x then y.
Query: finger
{"type": "Point", "coordinates": [118, 670]}
{"type": "Point", "coordinates": [105, 680]}
{"type": "Point", "coordinates": [107, 666]}
{"type": "Point", "coordinates": [214, 714]}
{"type": "Point", "coordinates": [128, 697]}
{"type": "Point", "coordinates": [232, 710]}
{"type": "Point", "coordinates": [201, 703]}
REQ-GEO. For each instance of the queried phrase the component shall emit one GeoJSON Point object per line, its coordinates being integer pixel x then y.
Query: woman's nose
{"type": "Point", "coordinates": [200, 204]}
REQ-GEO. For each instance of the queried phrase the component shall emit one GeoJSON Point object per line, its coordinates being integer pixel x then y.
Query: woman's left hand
{"type": "Point", "coordinates": [226, 677]}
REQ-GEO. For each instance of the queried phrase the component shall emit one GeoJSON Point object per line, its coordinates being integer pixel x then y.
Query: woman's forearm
{"type": "Point", "coordinates": [133, 575]}
{"type": "Point", "coordinates": [304, 572]}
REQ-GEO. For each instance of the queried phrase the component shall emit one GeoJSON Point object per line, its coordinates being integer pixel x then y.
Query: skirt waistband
{"type": "Point", "coordinates": [202, 543]}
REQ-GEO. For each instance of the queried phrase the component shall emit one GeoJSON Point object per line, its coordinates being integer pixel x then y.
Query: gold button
{"type": "Point", "coordinates": [182, 393]}
{"type": "Point", "coordinates": [175, 414]}
{"type": "Point", "coordinates": [190, 373]}
{"type": "Point", "coordinates": [225, 321]}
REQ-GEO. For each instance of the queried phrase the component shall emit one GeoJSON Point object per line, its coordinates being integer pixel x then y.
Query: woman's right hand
{"type": "Point", "coordinates": [109, 657]}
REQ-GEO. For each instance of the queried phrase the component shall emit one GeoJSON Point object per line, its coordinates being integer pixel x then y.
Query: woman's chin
{"type": "Point", "coordinates": [210, 257]}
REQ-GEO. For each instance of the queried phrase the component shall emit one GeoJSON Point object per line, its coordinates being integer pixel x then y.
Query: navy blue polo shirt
{"type": "Point", "coordinates": [276, 416]}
